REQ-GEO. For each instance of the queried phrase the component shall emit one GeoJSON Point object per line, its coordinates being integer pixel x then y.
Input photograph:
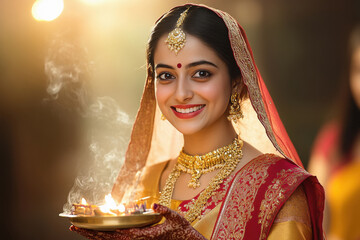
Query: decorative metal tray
{"type": "Point", "coordinates": [111, 223]}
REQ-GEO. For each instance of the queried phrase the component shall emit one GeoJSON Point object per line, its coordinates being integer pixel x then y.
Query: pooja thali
{"type": "Point", "coordinates": [111, 223]}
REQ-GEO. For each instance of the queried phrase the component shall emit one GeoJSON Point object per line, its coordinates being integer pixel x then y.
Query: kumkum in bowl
{"type": "Point", "coordinates": [94, 217]}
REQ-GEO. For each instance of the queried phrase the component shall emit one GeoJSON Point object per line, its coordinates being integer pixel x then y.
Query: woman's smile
{"type": "Point", "coordinates": [187, 111]}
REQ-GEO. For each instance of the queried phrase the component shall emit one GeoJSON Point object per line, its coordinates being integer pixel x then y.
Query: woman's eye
{"type": "Point", "coordinates": [165, 76]}
{"type": "Point", "coordinates": [202, 74]}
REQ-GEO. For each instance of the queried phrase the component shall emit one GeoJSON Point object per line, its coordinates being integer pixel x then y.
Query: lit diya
{"type": "Point", "coordinates": [111, 215]}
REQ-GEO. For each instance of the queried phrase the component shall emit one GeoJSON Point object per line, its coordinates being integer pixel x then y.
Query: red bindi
{"type": "Point", "coordinates": [179, 65]}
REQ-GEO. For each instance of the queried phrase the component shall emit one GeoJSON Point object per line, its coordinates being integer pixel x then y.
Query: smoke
{"type": "Point", "coordinates": [67, 69]}
{"type": "Point", "coordinates": [107, 127]}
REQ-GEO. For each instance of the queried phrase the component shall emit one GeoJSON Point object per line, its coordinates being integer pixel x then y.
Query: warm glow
{"type": "Point", "coordinates": [121, 207]}
{"type": "Point", "coordinates": [92, 2]}
{"type": "Point", "coordinates": [110, 206]}
{"type": "Point", "coordinates": [47, 10]}
{"type": "Point", "coordinates": [83, 201]}
{"type": "Point", "coordinates": [96, 2]}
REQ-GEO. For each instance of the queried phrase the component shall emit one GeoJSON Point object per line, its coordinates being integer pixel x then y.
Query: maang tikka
{"type": "Point", "coordinates": [235, 113]}
{"type": "Point", "coordinates": [177, 37]}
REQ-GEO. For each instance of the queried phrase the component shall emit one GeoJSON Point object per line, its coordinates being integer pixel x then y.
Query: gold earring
{"type": "Point", "coordinates": [162, 117]}
{"type": "Point", "coordinates": [235, 113]}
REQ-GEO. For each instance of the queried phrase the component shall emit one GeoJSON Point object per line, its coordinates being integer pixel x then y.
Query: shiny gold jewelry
{"type": "Point", "coordinates": [235, 113]}
{"type": "Point", "coordinates": [177, 37]}
{"type": "Point", "coordinates": [162, 117]}
{"type": "Point", "coordinates": [232, 159]}
{"type": "Point", "coordinates": [199, 165]}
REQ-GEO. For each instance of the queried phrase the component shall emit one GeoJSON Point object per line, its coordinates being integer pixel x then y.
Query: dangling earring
{"type": "Point", "coordinates": [235, 113]}
{"type": "Point", "coordinates": [162, 117]}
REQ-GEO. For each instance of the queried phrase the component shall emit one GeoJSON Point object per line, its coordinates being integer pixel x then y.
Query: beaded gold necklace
{"type": "Point", "coordinates": [227, 158]}
{"type": "Point", "coordinates": [199, 165]}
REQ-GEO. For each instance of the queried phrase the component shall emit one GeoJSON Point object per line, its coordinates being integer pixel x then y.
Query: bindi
{"type": "Point", "coordinates": [179, 65]}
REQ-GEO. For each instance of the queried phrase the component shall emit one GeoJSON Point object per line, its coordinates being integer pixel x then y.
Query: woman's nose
{"type": "Point", "coordinates": [184, 91]}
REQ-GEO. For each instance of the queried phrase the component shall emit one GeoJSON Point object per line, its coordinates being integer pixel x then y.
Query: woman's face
{"type": "Point", "coordinates": [355, 76]}
{"type": "Point", "coordinates": [193, 87]}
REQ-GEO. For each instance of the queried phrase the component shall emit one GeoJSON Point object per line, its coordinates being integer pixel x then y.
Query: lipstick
{"type": "Point", "coordinates": [187, 111]}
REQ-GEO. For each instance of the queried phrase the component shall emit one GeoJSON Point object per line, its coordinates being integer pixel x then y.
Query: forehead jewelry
{"type": "Point", "coordinates": [177, 38]}
{"type": "Point", "coordinates": [179, 65]}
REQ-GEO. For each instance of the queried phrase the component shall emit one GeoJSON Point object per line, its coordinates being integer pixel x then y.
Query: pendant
{"type": "Point", "coordinates": [195, 176]}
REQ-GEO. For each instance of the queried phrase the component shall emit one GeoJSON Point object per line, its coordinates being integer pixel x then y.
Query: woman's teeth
{"type": "Point", "coordinates": [189, 110]}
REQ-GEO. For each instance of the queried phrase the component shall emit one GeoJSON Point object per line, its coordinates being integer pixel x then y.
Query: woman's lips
{"type": "Point", "coordinates": [187, 111]}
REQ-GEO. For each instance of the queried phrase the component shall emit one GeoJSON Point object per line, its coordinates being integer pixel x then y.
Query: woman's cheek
{"type": "Point", "coordinates": [215, 92]}
{"type": "Point", "coordinates": [162, 93]}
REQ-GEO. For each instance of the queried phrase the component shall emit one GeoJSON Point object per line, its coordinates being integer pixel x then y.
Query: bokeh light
{"type": "Point", "coordinates": [97, 2]}
{"type": "Point", "coordinates": [47, 10]}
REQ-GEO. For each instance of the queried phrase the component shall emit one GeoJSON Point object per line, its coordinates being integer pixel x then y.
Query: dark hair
{"type": "Point", "coordinates": [350, 124]}
{"type": "Point", "coordinates": [204, 24]}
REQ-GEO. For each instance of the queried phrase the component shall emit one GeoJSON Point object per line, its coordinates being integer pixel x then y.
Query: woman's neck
{"type": "Point", "coordinates": [217, 135]}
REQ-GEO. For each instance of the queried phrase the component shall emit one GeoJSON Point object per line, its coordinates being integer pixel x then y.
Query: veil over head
{"type": "Point", "coordinates": [153, 140]}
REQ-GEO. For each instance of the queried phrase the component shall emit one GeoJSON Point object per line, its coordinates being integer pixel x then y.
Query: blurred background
{"type": "Point", "coordinates": [51, 68]}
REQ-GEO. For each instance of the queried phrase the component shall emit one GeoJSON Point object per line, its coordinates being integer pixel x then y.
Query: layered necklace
{"type": "Point", "coordinates": [226, 159]}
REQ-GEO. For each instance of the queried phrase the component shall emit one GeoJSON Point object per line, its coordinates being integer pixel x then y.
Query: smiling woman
{"type": "Point", "coordinates": [211, 173]}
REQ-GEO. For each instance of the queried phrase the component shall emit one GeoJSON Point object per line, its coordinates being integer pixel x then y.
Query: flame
{"type": "Point", "coordinates": [83, 201]}
{"type": "Point", "coordinates": [121, 207]}
{"type": "Point", "coordinates": [110, 206]}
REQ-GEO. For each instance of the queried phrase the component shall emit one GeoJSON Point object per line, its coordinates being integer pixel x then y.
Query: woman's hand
{"type": "Point", "coordinates": [175, 227]}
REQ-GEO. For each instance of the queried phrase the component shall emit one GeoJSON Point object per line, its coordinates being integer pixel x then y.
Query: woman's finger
{"type": "Point", "coordinates": [169, 214]}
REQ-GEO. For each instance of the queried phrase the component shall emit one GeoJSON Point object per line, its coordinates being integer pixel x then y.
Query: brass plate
{"type": "Point", "coordinates": [111, 223]}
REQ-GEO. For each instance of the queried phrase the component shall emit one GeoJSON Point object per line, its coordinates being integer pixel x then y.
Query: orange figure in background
{"type": "Point", "coordinates": [336, 156]}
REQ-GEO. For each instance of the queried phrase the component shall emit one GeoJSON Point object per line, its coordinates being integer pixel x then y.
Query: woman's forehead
{"type": "Point", "coordinates": [194, 50]}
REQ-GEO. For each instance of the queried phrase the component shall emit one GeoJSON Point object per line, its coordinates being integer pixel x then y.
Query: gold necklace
{"type": "Point", "coordinates": [231, 159]}
{"type": "Point", "coordinates": [199, 165]}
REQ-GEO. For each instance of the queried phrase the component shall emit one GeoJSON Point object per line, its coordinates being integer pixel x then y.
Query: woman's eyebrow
{"type": "Point", "coordinates": [194, 64]}
{"type": "Point", "coordinates": [202, 62]}
{"type": "Point", "coordinates": [161, 65]}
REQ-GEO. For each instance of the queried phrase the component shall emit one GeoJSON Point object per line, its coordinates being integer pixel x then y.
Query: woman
{"type": "Point", "coordinates": [202, 77]}
{"type": "Point", "coordinates": [336, 155]}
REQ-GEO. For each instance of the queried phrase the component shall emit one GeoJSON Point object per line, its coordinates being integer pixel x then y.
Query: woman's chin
{"type": "Point", "coordinates": [188, 129]}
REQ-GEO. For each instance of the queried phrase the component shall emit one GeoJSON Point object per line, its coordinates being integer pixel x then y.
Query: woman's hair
{"type": "Point", "coordinates": [350, 124]}
{"type": "Point", "coordinates": [204, 24]}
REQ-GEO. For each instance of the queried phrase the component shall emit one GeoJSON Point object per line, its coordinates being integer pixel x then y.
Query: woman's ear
{"type": "Point", "coordinates": [235, 84]}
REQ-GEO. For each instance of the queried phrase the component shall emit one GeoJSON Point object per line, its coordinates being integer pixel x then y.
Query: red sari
{"type": "Point", "coordinates": [258, 192]}
{"type": "Point", "coordinates": [251, 203]}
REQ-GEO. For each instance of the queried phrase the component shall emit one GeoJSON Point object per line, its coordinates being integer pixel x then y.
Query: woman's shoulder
{"type": "Point", "coordinates": [254, 158]}
{"type": "Point", "coordinates": [274, 162]}
{"type": "Point", "coordinates": [150, 176]}
{"type": "Point", "coordinates": [272, 172]}
{"type": "Point", "coordinates": [293, 219]}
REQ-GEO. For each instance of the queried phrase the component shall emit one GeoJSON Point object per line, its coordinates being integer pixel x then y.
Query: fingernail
{"type": "Point", "coordinates": [155, 206]}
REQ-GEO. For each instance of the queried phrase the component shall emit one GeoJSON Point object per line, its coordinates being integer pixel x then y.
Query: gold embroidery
{"type": "Point", "coordinates": [248, 71]}
{"type": "Point", "coordinates": [239, 203]}
{"type": "Point", "coordinates": [216, 199]}
{"type": "Point", "coordinates": [274, 195]}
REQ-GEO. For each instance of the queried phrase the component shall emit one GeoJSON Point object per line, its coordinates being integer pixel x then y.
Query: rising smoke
{"type": "Point", "coordinates": [107, 127]}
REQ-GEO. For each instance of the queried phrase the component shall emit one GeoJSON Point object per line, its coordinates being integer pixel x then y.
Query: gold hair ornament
{"type": "Point", "coordinates": [177, 37]}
